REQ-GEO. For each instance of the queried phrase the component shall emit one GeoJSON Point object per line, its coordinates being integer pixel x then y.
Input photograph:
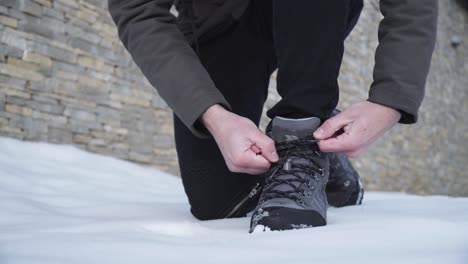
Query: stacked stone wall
{"type": "Point", "coordinates": [65, 78]}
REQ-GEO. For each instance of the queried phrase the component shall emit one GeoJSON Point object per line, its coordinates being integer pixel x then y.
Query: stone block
{"type": "Point", "coordinates": [83, 33]}
{"type": "Point", "coordinates": [18, 72]}
{"type": "Point", "coordinates": [91, 82]}
{"type": "Point", "coordinates": [69, 101]}
{"type": "Point", "coordinates": [70, 76]}
{"type": "Point", "coordinates": [79, 126]}
{"type": "Point", "coordinates": [44, 99]}
{"type": "Point", "coordinates": [37, 58]}
{"type": "Point", "coordinates": [139, 157]}
{"type": "Point", "coordinates": [42, 87]}
{"type": "Point", "coordinates": [67, 67]}
{"type": "Point", "coordinates": [13, 38]}
{"type": "Point", "coordinates": [59, 135]}
{"type": "Point", "coordinates": [81, 138]}
{"type": "Point", "coordinates": [163, 141]}
{"type": "Point", "coordinates": [12, 90]}
{"type": "Point", "coordinates": [79, 43]}
{"type": "Point", "coordinates": [98, 4]}
{"type": "Point", "coordinates": [63, 87]}
{"type": "Point", "coordinates": [32, 127]}
{"type": "Point", "coordinates": [53, 13]}
{"type": "Point", "coordinates": [92, 94]}
{"type": "Point", "coordinates": [36, 135]}
{"type": "Point", "coordinates": [122, 89]}
{"type": "Point", "coordinates": [98, 142]}
{"type": "Point", "coordinates": [109, 78]}
{"type": "Point", "coordinates": [12, 132]}
{"type": "Point", "coordinates": [100, 149]}
{"type": "Point", "coordinates": [95, 63]}
{"type": "Point", "coordinates": [46, 107]}
{"type": "Point", "coordinates": [12, 108]}
{"type": "Point", "coordinates": [2, 102]}
{"type": "Point", "coordinates": [87, 15]}
{"type": "Point", "coordinates": [106, 113]}
{"type": "Point", "coordinates": [86, 46]}
{"type": "Point", "coordinates": [130, 100]}
{"type": "Point", "coordinates": [29, 7]}
{"type": "Point", "coordinates": [8, 21]}
{"type": "Point", "coordinates": [56, 53]}
{"type": "Point", "coordinates": [120, 153]}
{"type": "Point", "coordinates": [3, 121]}
{"type": "Point", "coordinates": [46, 3]}
{"type": "Point", "coordinates": [44, 26]}
{"type": "Point", "coordinates": [9, 80]}
{"type": "Point", "coordinates": [55, 120]}
{"type": "Point", "coordinates": [11, 3]}
{"type": "Point", "coordinates": [71, 3]}
{"type": "Point", "coordinates": [23, 64]}
{"type": "Point", "coordinates": [15, 100]}
{"type": "Point", "coordinates": [117, 130]}
{"type": "Point", "coordinates": [112, 104]}
{"type": "Point", "coordinates": [36, 28]}
{"type": "Point", "coordinates": [10, 51]}
{"type": "Point", "coordinates": [80, 114]}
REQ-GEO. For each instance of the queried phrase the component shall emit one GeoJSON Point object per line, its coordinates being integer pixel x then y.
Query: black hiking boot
{"type": "Point", "coordinates": [344, 186]}
{"type": "Point", "coordinates": [294, 196]}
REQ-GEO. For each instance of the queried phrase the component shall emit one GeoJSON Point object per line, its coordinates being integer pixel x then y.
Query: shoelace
{"type": "Point", "coordinates": [300, 148]}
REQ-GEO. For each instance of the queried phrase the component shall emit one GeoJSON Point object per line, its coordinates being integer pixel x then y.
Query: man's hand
{"type": "Point", "coordinates": [358, 126]}
{"type": "Point", "coordinates": [245, 148]}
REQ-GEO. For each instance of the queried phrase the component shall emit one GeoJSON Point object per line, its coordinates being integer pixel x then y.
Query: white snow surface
{"type": "Point", "coordinates": [61, 205]}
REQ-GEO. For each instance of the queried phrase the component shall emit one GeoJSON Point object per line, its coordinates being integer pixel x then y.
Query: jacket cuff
{"type": "Point", "coordinates": [199, 105]}
{"type": "Point", "coordinates": [392, 96]}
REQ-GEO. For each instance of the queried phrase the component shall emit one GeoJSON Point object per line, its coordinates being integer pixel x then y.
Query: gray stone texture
{"type": "Point", "coordinates": [65, 78]}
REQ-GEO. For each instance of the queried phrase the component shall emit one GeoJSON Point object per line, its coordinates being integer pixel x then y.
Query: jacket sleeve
{"type": "Point", "coordinates": [407, 37]}
{"type": "Point", "coordinates": [149, 32]}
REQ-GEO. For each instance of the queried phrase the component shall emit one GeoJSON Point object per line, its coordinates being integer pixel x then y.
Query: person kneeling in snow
{"type": "Point", "coordinates": [212, 66]}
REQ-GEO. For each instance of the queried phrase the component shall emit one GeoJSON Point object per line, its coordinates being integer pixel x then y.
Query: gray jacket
{"type": "Point", "coordinates": [160, 45]}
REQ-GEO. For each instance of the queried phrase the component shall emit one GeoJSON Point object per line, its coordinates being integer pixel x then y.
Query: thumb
{"type": "Point", "coordinates": [267, 147]}
{"type": "Point", "coordinates": [331, 126]}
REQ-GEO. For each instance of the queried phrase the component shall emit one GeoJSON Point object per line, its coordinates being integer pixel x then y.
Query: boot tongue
{"type": "Point", "coordinates": [285, 129]}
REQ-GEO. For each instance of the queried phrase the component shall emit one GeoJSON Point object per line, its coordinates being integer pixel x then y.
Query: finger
{"type": "Point", "coordinates": [331, 126]}
{"type": "Point", "coordinates": [249, 160]}
{"type": "Point", "coordinates": [258, 162]}
{"type": "Point", "coordinates": [256, 149]}
{"type": "Point", "coordinates": [267, 147]}
{"type": "Point", "coordinates": [342, 143]}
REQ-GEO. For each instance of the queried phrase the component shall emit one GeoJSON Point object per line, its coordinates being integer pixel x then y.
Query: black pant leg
{"type": "Point", "coordinates": [239, 62]}
{"type": "Point", "coordinates": [308, 39]}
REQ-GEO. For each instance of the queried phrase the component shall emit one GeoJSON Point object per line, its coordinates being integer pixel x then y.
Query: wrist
{"type": "Point", "coordinates": [395, 113]}
{"type": "Point", "coordinates": [213, 116]}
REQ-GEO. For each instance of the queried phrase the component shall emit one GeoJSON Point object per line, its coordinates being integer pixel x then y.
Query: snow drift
{"type": "Point", "coordinates": [62, 205]}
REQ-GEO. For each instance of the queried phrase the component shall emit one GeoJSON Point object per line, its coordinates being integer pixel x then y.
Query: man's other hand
{"type": "Point", "coordinates": [354, 129]}
{"type": "Point", "coordinates": [245, 148]}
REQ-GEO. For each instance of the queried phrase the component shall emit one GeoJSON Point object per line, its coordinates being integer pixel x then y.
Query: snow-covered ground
{"type": "Point", "coordinates": [62, 205]}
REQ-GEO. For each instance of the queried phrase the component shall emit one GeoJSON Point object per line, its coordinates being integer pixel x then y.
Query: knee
{"type": "Point", "coordinates": [205, 212]}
